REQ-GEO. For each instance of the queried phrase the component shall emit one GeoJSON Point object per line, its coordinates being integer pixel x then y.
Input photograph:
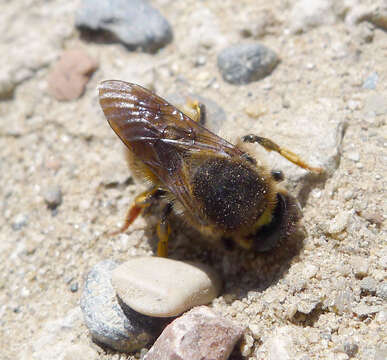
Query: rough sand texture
{"type": "Point", "coordinates": [305, 300]}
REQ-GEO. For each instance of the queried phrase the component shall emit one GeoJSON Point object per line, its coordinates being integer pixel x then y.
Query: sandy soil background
{"type": "Point", "coordinates": [322, 296]}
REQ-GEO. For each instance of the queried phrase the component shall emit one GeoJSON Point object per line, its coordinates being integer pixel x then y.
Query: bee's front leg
{"type": "Point", "coordinates": [163, 231]}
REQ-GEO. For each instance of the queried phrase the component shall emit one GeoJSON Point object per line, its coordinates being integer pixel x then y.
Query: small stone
{"type": "Point", "coordinates": [105, 318]}
{"type": "Point", "coordinates": [381, 290]}
{"type": "Point", "coordinates": [309, 271]}
{"type": "Point", "coordinates": [198, 334]}
{"type": "Point", "coordinates": [135, 23]}
{"type": "Point", "coordinates": [19, 221]}
{"type": "Point", "coordinates": [368, 285]}
{"type": "Point", "coordinates": [360, 266]}
{"type": "Point", "coordinates": [162, 287]}
{"type": "Point", "coordinates": [348, 195]}
{"type": "Point", "coordinates": [306, 306]}
{"type": "Point", "coordinates": [363, 310]}
{"type": "Point", "coordinates": [245, 63]}
{"type": "Point", "coordinates": [383, 262]}
{"type": "Point", "coordinates": [350, 349]}
{"type": "Point", "coordinates": [316, 193]}
{"type": "Point", "coordinates": [74, 287]}
{"type": "Point", "coordinates": [68, 78]}
{"type": "Point", "coordinates": [52, 196]}
{"type": "Point", "coordinates": [353, 155]}
{"type": "Point", "coordinates": [381, 317]}
{"type": "Point", "coordinates": [339, 223]}
{"type": "Point", "coordinates": [200, 60]}
{"type": "Point", "coordinates": [281, 345]}
{"type": "Point", "coordinates": [371, 81]}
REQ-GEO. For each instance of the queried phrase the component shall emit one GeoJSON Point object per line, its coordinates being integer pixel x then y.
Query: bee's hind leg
{"type": "Point", "coordinates": [141, 202]}
{"type": "Point", "coordinates": [287, 154]}
{"type": "Point", "coordinates": [163, 231]}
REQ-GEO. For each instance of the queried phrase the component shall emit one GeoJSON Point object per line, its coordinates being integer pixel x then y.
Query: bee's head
{"type": "Point", "coordinates": [285, 217]}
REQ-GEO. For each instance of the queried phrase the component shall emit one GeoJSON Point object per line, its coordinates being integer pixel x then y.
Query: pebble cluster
{"type": "Point", "coordinates": [304, 74]}
{"type": "Point", "coordinates": [126, 306]}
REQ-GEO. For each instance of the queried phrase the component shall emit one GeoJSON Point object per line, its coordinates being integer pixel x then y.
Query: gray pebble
{"type": "Point", "coordinates": [109, 324]}
{"type": "Point", "coordinates": [381, 291]}
{"type": "Point", "coordinates": [244, 63]}
{"type": "Point", "coordinates": [135, 23]}
{"type": "Point", "coordinates": [52, 196]}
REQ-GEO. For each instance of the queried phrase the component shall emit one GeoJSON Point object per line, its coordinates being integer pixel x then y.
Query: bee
{"type": "Point", "coordinates": [217, 187]}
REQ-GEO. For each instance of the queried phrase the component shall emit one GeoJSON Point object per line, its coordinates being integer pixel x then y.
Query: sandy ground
{"type": "Point", "coordinates": [44, 143]}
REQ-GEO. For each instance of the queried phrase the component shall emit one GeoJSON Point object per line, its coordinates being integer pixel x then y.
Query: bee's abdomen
{"type": "Point", "coordinates": [232, 195]}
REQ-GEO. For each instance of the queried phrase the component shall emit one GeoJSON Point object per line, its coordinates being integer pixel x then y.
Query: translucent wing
{"type": "Point", "coordinates": [159, 135]}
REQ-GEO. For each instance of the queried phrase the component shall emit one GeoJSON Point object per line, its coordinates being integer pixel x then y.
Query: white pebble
{"type": "Point", "coordinates": [163, 287]}
{"type": "Point", "coordinates": [348, 195]}
{"type": "Point", "coordinates": [339, 223]}
{"type": "Point", "coordinates": [354, 156]}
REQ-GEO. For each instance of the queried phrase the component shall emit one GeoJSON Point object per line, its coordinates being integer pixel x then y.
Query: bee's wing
{"type": "Point", "coordinates": [159, 135]}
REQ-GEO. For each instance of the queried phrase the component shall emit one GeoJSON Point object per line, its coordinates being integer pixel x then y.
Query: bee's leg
{"type": "Point", "coordinates": [287, 154]}
{"type": "Point", "coordinates": [141, 202]}
{"type": "Point", "coordinates": [163, 232]}
{"type": "Point", "coordinates": [196, 111]}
